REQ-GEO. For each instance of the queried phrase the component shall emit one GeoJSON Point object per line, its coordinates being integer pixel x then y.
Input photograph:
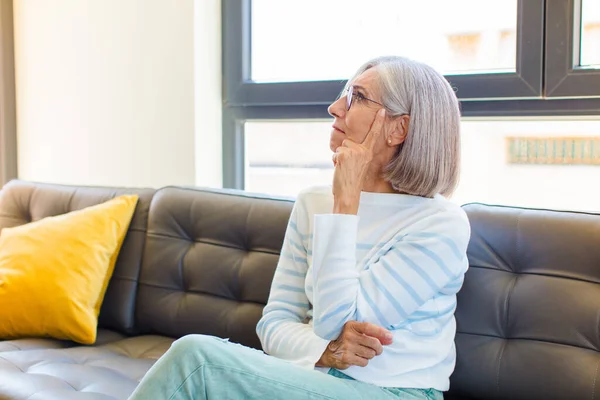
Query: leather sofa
{"type": "Point", "coordinates": [201, 261]}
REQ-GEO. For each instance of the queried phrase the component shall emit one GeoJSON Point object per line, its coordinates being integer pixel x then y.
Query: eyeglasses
{"type": "Point", "coordinates": [350, 96]}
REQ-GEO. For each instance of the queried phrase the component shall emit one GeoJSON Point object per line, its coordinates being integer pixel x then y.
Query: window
{"type": "Point", "coordinates": [572, 44]}
{"type": "Point", "coordinates": [278, 53]}
{"type": "Point", "coordinates": [526, 73]}
{"type": "Point", "coordinates": [546, 163]}
{"type": "Point", "coordinates": [539, 163]}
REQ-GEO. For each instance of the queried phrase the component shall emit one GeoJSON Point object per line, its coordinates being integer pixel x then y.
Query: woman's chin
{"type": "Point", "coordinates": [334, 143]}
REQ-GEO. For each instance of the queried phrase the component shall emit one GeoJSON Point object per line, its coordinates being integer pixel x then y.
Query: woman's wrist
{"type": "Point", "coordinates": [322, 362]}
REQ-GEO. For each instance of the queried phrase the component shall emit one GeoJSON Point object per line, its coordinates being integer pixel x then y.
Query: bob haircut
{"type": "Point", "coordinates": [428, 161]}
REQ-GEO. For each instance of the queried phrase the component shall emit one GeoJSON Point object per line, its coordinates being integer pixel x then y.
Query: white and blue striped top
{"type": "Point", "coordinates": [399, 264]}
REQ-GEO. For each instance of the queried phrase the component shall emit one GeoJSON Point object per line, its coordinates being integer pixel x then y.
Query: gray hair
{"type": "Point", "coordinates": [428, 161]}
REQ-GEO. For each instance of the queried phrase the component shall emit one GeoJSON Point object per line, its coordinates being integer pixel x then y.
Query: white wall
{"type": "Point", "coordinates": [208, 104]}
{"type": "Point", "coordinates": [105, 91]}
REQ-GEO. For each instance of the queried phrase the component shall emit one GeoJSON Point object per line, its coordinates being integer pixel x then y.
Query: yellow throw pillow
{"type": "Point", "coordinates": [54, 272]}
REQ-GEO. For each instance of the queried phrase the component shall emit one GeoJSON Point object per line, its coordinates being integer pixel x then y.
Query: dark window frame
{"type": "Point", "coordinates": [8, 125]}
{"type": "Point", "coordinates": [519, 94]}
{"type": "Point", "coordinates": [564, 77]}
{"type": "Point", "coordinates": [241, 91]}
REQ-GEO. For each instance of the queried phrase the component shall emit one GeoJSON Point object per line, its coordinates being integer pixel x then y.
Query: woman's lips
{"type": "Point", "coordinates": [337, 129]}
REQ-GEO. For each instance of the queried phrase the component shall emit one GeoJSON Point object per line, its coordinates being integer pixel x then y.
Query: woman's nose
{"type": "Point", "coordinates": [336, 109]}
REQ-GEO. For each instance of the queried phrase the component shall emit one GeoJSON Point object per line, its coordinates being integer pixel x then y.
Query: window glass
{"type": "Point", "coordinates": [282, 157]}
{"type": "Point", "coordinates": [551, 164]}
{"type": "Point", "coordinates": [316, 40]}
{"type": "Point", "coordinates": [590, 33]}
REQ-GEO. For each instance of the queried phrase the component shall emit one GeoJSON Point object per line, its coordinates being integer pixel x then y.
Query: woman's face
{"type": "Point", "coordinates": [354, 124]}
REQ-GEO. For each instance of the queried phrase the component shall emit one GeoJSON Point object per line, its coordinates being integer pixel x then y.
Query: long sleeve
{"type": "Point", "coordinates": [281, 329]}
{"type": "Point", "coordinates": [406, 272]}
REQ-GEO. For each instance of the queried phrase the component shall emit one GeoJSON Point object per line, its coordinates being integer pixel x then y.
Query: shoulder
{"type": "Point", "coordinates": [450, 209]}
{"type": "Point", "coordinates": [448, 218]}
{"type": "Point", "coordinates": [314, 196]}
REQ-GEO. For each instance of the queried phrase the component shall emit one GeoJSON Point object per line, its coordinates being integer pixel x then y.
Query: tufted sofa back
{"type": "Point", "coordinates": [208, 263]}
{"type": "Point", "coordinates": [528, 315]}
{"type": "Point", "coordinates": [202, 261]}
{"type": "Point", "coordinates": [193, 261]}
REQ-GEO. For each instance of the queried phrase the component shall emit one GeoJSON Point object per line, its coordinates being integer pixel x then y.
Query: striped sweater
{"type": "Point", "coordinates": [399, 264]}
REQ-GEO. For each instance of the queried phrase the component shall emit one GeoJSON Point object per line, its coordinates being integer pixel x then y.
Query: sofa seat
{"type": "Point", "coordinates": [40, 369]}
{"type": "Point", "coordinates": [103, 336]}
{"type": "Point", "coordinates": [32, 344]}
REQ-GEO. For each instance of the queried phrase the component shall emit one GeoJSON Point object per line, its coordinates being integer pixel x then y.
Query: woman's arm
{"type": "Point", "coordinates": [281, 329]}
{"type": "Point", "coordinates": [407, 274]}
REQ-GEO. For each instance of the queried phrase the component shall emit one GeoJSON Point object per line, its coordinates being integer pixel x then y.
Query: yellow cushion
{"type": "Point", "coordinates": [54, 272]}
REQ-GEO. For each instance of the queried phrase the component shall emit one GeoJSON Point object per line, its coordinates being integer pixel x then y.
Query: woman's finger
{"type": "Point", "coordinates": [370, 342]}
{"type": "Point", "coordinates": [340, 154]}
{"type": "Point", "coordinates": [384, 336]}
{"type": "Point", "coordinates": [354, 359]}
{"type": "Point", "coordinates": [349, 143]}
{"type": "Point", "coordinates": [364, 352]}
{"type": "Point", "coordinates": [375, 131]}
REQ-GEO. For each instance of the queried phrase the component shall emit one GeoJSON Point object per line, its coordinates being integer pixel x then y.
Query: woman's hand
{"type": "Point", "coordinates": [357, 344]}
{"type": "Point", "coordinates": [351, 161]}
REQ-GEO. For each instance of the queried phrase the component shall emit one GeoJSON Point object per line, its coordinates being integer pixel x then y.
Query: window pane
{"type": "Point", "coordinates": [284, 157]}
{"type": "Point", "coordinates": [590, 33]}
{"type": "Point", "coordinates": [328, 40]}
{"type": "Point", "coordinates": [551, 164]}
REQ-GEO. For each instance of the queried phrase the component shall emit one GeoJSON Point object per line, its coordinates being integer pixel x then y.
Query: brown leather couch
{"type": "Point", "coordinates": [201, 261]}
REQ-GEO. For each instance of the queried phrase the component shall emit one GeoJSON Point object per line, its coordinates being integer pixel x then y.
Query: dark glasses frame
{"type": "Point", "coordinates": [350, 95]}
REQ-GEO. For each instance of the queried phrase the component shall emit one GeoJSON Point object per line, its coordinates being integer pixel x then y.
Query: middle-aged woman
{"type": "Point", "coordinates": [363, 298]}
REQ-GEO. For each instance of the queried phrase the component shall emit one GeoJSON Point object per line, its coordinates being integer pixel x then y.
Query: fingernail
{"type": "Point", "coordinates": [382, 112]}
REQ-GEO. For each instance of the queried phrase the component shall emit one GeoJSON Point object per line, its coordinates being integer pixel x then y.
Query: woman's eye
{"type": "Point", "coordinates": [359, 97]}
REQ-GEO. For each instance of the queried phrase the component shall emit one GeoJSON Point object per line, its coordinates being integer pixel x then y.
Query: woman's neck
{"type": "Point", "coordinates": [378, 186]}
{"type": "Point", "coordinates": [375, 183]}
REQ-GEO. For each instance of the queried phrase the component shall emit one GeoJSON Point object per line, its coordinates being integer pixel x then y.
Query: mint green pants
{"type": "Point", "coordinates": [200, 367]}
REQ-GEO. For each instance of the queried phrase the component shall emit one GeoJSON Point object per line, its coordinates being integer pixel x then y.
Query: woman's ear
{"type": "Point", "coordinates": [399, 130]}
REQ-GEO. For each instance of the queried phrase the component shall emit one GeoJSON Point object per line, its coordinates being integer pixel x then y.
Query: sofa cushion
{"type": "Point", "coordinates": [208, 263]}
{"type": "Point", "coordinates": [100, 372]}
{"type": "Point", "coordinates": [23, 202]}
{"type": "Point", "coordinates": [528, 313]}
{"type": "Point", "coordinates": [54, 272]}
